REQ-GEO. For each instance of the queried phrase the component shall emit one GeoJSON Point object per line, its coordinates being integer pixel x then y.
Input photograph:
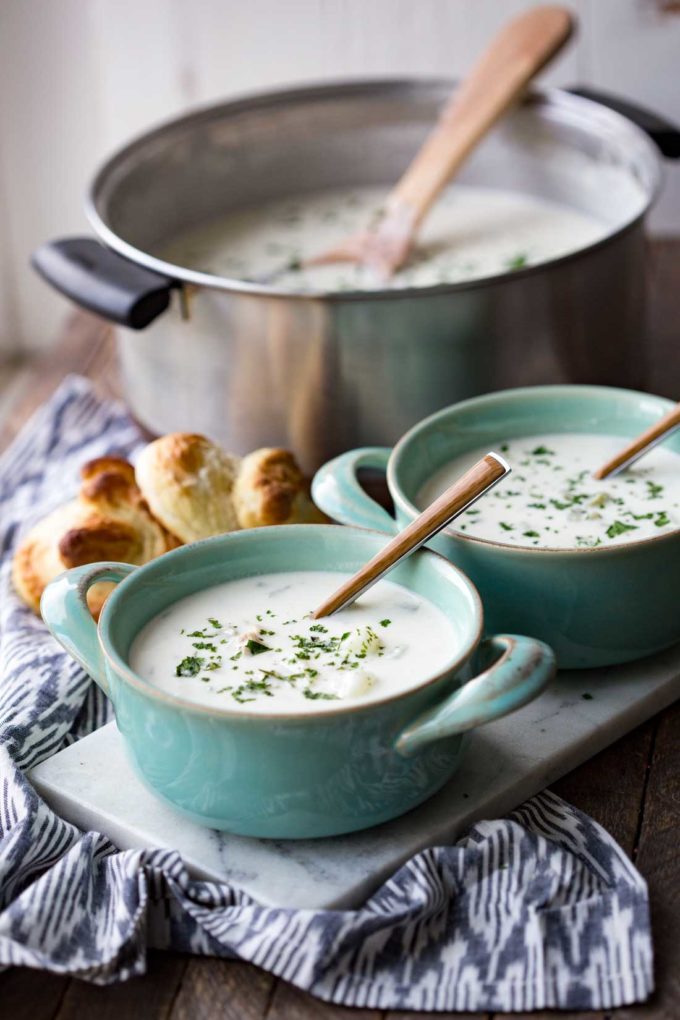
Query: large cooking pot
{"type": "Point", "coordinates": [255, 365]}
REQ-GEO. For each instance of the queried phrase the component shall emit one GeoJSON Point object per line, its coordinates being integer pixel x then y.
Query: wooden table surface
{"type": "Point", "coordinates": [632, 788]}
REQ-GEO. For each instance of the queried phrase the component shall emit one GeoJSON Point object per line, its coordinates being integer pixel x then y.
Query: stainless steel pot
{"type": "Point", "coordinates": [252, 365]}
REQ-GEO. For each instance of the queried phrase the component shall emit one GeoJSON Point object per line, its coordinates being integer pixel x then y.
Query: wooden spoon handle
{"type": "Point", "coordinates": [517, 53]}
{"type": "Point", "coordinates": [649, 438]}
{"type": "Point", "coordinates": [458, 497]}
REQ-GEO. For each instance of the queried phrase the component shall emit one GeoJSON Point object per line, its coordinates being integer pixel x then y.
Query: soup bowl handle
{"type": "Point", "coordinates": [336, 489]}
{"type": "Point", "coordinates": [522, 669]}
{"type": "Point", "coordinates": [64, 609]}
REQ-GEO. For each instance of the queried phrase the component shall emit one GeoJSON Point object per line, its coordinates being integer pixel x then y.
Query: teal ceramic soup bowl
{"type": "Point", "coordinates": [323, 772]}
{"type": "Point", "coordinates": [594, 606]}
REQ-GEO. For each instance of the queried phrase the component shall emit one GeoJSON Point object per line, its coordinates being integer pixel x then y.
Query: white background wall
{"type": "Point", "coordinates": [79, 77]}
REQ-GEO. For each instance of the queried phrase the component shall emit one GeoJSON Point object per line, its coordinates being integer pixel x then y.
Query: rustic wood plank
{"type": "Point", "coordinates": [227, 989]}
{"type": "Point", "coordinates": [145, 998]}
{"type": "Point", "coordinates": [553, 1015]}
{"type": "Point", "coordinates": [28, 994]}
{"type": "Point", "coordinates": [656, 855]}
{"type": "Point", "coordinates": [289, 1002]}
{"type": "Point", "coordinates": [85, 337]}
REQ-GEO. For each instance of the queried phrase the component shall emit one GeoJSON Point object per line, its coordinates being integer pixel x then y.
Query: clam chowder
{"type": "Point", "coordinates": [252, 643]}
{"type": "Point", "coordinates": [470, 233]}
{"type": "Point", "coordinates": [551, 500]}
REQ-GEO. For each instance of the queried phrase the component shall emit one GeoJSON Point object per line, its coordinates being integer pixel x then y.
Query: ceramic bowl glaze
{"type": "Point", "coordinates": [324, 772]}
{"type": "Point", "coordinates": [594, 607]}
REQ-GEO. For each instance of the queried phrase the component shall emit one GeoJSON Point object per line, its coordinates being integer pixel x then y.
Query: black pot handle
{"type": "Point", "coordinates": [104, 282]}
{"type": "Point", "coordinates": [661, 131]}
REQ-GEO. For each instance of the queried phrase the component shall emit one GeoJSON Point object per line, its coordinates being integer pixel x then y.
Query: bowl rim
{"type": "Point", "coordinates": [552, 391]}
{"type": "Point", "coordinates": [329, 710]}
{"type": "Point", "coordinates": [552, 103]}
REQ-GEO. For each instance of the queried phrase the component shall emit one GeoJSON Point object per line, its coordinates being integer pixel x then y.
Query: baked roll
{"type": "Point", "coordinates": [109, 520]}
{"type": "Point", "coordinates": [188, 481]}
{"type": "Point", "coordinates": [271, 489]}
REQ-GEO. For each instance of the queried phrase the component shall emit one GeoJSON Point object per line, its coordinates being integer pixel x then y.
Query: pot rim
{"type": "Point", "coordinates": [123, 670]}
{"type": "Point", "coordinates": [583, 110]}
{"type": "Point", "coordinates": [587, 391]}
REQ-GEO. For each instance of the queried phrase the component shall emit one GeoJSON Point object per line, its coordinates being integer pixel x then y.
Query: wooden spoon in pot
{"type": "Point", "coordinates": [650, 438]}
{"type": "Point", "coordinates": [481, 477]}
{"type": "Point", "coordinates": [519, 51]}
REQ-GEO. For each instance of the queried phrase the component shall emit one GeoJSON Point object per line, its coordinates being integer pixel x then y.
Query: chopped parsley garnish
{"type": "Point", "coordinates": [252, 687]}
{"type": "Point", "coordinates": [204, 646]}
{"type": "Point", "coordinates": [543, 451]}
{"type": "Point", "coordinates": [256, 647]}
{"type": "Point", "coordinates": [385, 623]}
{"type": "Point", "coordinates": [662, 519]}
{"type": "Point", "coordinates": [654, 490]}
{"type": "Point", "coordinates": [587, 697]}
{"type": "Point", "coordinates": [214, 623]}
{"type": "Point", "coordinates": [531, 534]}
{"type": "Point", "coordinates": [506, 527]}
{"type": "Point", "coordinates": [319, 695]}
{"type": "Point", "coordinates": [190, 666]}
{"type": "Point", "coordinates": [618, 528]}
{"type": "Point", "coordinates": [214, 663]}
{"type": "Point", "coordinates": [517, 261]}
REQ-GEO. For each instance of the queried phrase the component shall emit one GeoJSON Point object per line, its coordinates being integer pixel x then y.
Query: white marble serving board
{"type": "Point", "coordinates": [92, 785]}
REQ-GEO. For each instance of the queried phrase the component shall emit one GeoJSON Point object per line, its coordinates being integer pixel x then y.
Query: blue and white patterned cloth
{"type": "Point", "coordinates": [537, 910]}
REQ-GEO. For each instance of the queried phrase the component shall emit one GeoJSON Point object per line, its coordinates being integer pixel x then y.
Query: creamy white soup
{"type": "Point", "coordinates": [551, 500]}
{"type": "Point", "coordinates": [252, 644]}
{"type": "Point", "coordinates": [470, 233]}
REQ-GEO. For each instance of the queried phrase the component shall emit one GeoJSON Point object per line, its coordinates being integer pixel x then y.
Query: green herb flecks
{"type": "Point", "coordinates": [256, 647]}
{"type": "Point", "coordinates": [190, 666]}
{"type": "Point", "coordinates": [214, 663]}
{"type": "Point", "coordinates": [618, 528]}
{"type": "Point", "coordinates": [518, 261]}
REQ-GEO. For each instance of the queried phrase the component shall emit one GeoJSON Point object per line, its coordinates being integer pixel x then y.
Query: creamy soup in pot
{"type": "Point", "coordinates": [551, 500]}
{"type": "Point", "coordinates": [470, 233]}
{"type": "Point", "coordinates": [252, 644]}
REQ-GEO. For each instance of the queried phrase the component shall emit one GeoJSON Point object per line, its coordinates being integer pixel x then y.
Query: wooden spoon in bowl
{"type": "Point", "coordinates": [519, 51]}
{"type": "Point", "coordinates": [481, 477]}
{"type": "Point", "coordinates": [650, 438]}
